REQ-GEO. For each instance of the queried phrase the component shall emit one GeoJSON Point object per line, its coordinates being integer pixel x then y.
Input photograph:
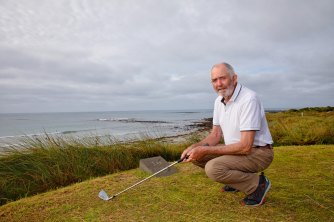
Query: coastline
{"type": "Point", "coordinates": [118, 125]}
{"type": "Point", "coordinates": [76, 160]}
{"type": "Point", "coordinates": [199, 128]}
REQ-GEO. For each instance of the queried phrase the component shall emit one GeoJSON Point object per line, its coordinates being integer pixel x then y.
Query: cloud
{"type": "Point", "coordinates": [121, 55]}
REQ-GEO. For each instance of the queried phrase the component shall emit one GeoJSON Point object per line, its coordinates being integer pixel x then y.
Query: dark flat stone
{"type": "Point", "coordinates": [154, 164]}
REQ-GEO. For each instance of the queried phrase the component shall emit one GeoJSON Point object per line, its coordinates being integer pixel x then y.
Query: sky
{"type": "Point", "coordinates": [112, 55]}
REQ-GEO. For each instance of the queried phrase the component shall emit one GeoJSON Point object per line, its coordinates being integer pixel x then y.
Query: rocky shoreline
{"type": "Point", "coordinates": [201, 128]}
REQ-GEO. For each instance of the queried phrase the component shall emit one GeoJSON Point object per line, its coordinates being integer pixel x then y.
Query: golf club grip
{"type": "Point", "coordinates": [181, 159]}
{"type": "Point", "coordinates": [186, 156]}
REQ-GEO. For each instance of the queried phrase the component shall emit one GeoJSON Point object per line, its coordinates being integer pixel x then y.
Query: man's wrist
{"type": "Point", "coordinates": [206, 150]}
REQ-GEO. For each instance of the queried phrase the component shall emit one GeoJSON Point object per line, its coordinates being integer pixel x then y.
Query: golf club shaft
{"type": "Point", "coordinates": [180, 160]}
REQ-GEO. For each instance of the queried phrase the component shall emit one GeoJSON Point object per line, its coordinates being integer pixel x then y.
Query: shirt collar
{"type": "Point", "coordinates": [235, 93]}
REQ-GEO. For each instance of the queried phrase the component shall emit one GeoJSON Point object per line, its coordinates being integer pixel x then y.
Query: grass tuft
{"type": "Point", "coordinates": [49, 162]}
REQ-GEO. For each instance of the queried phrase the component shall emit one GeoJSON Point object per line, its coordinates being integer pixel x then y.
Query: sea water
{"type": "Point", "coordinates": [117, 124]}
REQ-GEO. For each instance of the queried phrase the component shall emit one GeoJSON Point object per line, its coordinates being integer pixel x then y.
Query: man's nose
{"type": "Point", "coordinates": [219, 82]}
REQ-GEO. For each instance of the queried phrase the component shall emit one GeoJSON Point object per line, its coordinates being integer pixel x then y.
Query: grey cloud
{"type": "Point", "coordinates": [105, 55]}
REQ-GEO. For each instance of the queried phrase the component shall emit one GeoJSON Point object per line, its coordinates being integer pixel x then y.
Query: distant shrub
{"type": "Point", "coordinates": [316, 109]}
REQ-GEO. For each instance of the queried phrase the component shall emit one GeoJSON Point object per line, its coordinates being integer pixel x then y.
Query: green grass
{"type": "Point", "coordinates": [302, 190]}
{"type": "Point", "coordinates": [306, 127]}
{"type": "Point", "coordinates": [48, 163]}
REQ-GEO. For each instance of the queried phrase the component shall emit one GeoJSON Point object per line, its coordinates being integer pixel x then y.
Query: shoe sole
{"type": "Point", "coordinates": [263, 198]}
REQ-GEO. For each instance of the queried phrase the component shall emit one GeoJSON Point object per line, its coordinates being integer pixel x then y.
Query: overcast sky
{"type": "Point", "coordinates": [106, 55]}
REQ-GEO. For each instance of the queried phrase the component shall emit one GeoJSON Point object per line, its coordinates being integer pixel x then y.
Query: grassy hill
{"type": "Point", "coordinates": [302, 190]}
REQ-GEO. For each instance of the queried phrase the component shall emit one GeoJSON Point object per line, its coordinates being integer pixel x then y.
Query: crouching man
{"type": "Point", "coordinates": [240, 118]}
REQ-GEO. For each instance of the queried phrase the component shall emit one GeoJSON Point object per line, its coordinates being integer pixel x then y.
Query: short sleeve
{"type": "Point", "coordinates": [250, 116]}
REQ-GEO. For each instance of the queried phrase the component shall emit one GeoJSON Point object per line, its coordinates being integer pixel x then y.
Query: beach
{"type": "Point", "coordinates": [121, 125]}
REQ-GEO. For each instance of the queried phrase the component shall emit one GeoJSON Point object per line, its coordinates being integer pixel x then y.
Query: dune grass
{"type": "Point", "coordinates": [302, 190]}
{"type": "Point", "coordinates": [50, 162]}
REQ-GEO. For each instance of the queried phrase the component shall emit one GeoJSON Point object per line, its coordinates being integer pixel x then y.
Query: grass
{"type": "Point", "coordinates": [51, 162]}
{"type": "Point", "coordinates": [48, 163]}
{"type": "Point", "coordinates": [302, 190]}
{"type": "Point", "coordinates": [305, 127]}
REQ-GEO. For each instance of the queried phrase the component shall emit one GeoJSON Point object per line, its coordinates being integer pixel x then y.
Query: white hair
{"type": "Point", "coordinates": [229, 68]}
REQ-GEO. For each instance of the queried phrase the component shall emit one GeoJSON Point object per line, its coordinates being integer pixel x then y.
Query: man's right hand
{"type": "Point", "coordinates": [185, 152]}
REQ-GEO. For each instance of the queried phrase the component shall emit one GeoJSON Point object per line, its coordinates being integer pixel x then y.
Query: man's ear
{"type": "Point", "coordinates": [235, 78]}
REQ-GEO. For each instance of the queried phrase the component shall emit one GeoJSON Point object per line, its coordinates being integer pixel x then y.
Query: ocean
{"type": "Point", "coordinates": [118, 124]}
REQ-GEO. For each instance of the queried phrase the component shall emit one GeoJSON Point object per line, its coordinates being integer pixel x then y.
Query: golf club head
{"type": "Point", "coordinates": [103, 195]}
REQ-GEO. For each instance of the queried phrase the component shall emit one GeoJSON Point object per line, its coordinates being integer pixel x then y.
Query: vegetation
{"type": "Point", "coordinates": [302, 190]}
{"type": "Point", "coordinates": [316, 109]}
{"type": "Point", "coordinates": [303, 127]}
{"type": "Point", "coordinates": [42, 164]}
{"type": "Point", "coordinates": [50, 162]}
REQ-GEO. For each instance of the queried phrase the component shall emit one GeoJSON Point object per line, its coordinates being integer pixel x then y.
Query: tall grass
{"type": "Point", "coordinates": [49, 162]}
{"type": "Point", "coordinates": [306, 127]}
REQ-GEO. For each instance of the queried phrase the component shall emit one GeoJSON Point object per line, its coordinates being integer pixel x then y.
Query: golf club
{"type": "Point", "coordinates": [104, 196]}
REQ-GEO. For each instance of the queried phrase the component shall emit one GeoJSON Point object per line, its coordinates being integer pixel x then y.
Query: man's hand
{"type": "Point", "coordinates": [185, 153]}
{"type": "Point", "coordinates": [196, 153]}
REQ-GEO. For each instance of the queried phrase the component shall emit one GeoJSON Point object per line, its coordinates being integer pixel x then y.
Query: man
{"type": "Point", "coordinates": [240, 118]}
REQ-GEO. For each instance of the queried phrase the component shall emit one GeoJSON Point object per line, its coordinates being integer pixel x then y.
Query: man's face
{"type": "Point", "coordinates": [221, 81]}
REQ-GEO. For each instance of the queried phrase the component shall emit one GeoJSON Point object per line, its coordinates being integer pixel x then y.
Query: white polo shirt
{"type": "Point", "coordinates": [242, 112]}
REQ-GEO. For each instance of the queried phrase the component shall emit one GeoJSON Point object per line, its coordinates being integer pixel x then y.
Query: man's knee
{"type": "Point", "coordinates": [215, 170]}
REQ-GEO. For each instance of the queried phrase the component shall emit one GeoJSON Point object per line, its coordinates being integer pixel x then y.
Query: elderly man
{"type": "Point", "coordinates": [240, 118]}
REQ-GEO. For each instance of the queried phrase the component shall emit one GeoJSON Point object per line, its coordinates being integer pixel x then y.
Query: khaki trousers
{"type": "Point", "coordinates": [237, 171]}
